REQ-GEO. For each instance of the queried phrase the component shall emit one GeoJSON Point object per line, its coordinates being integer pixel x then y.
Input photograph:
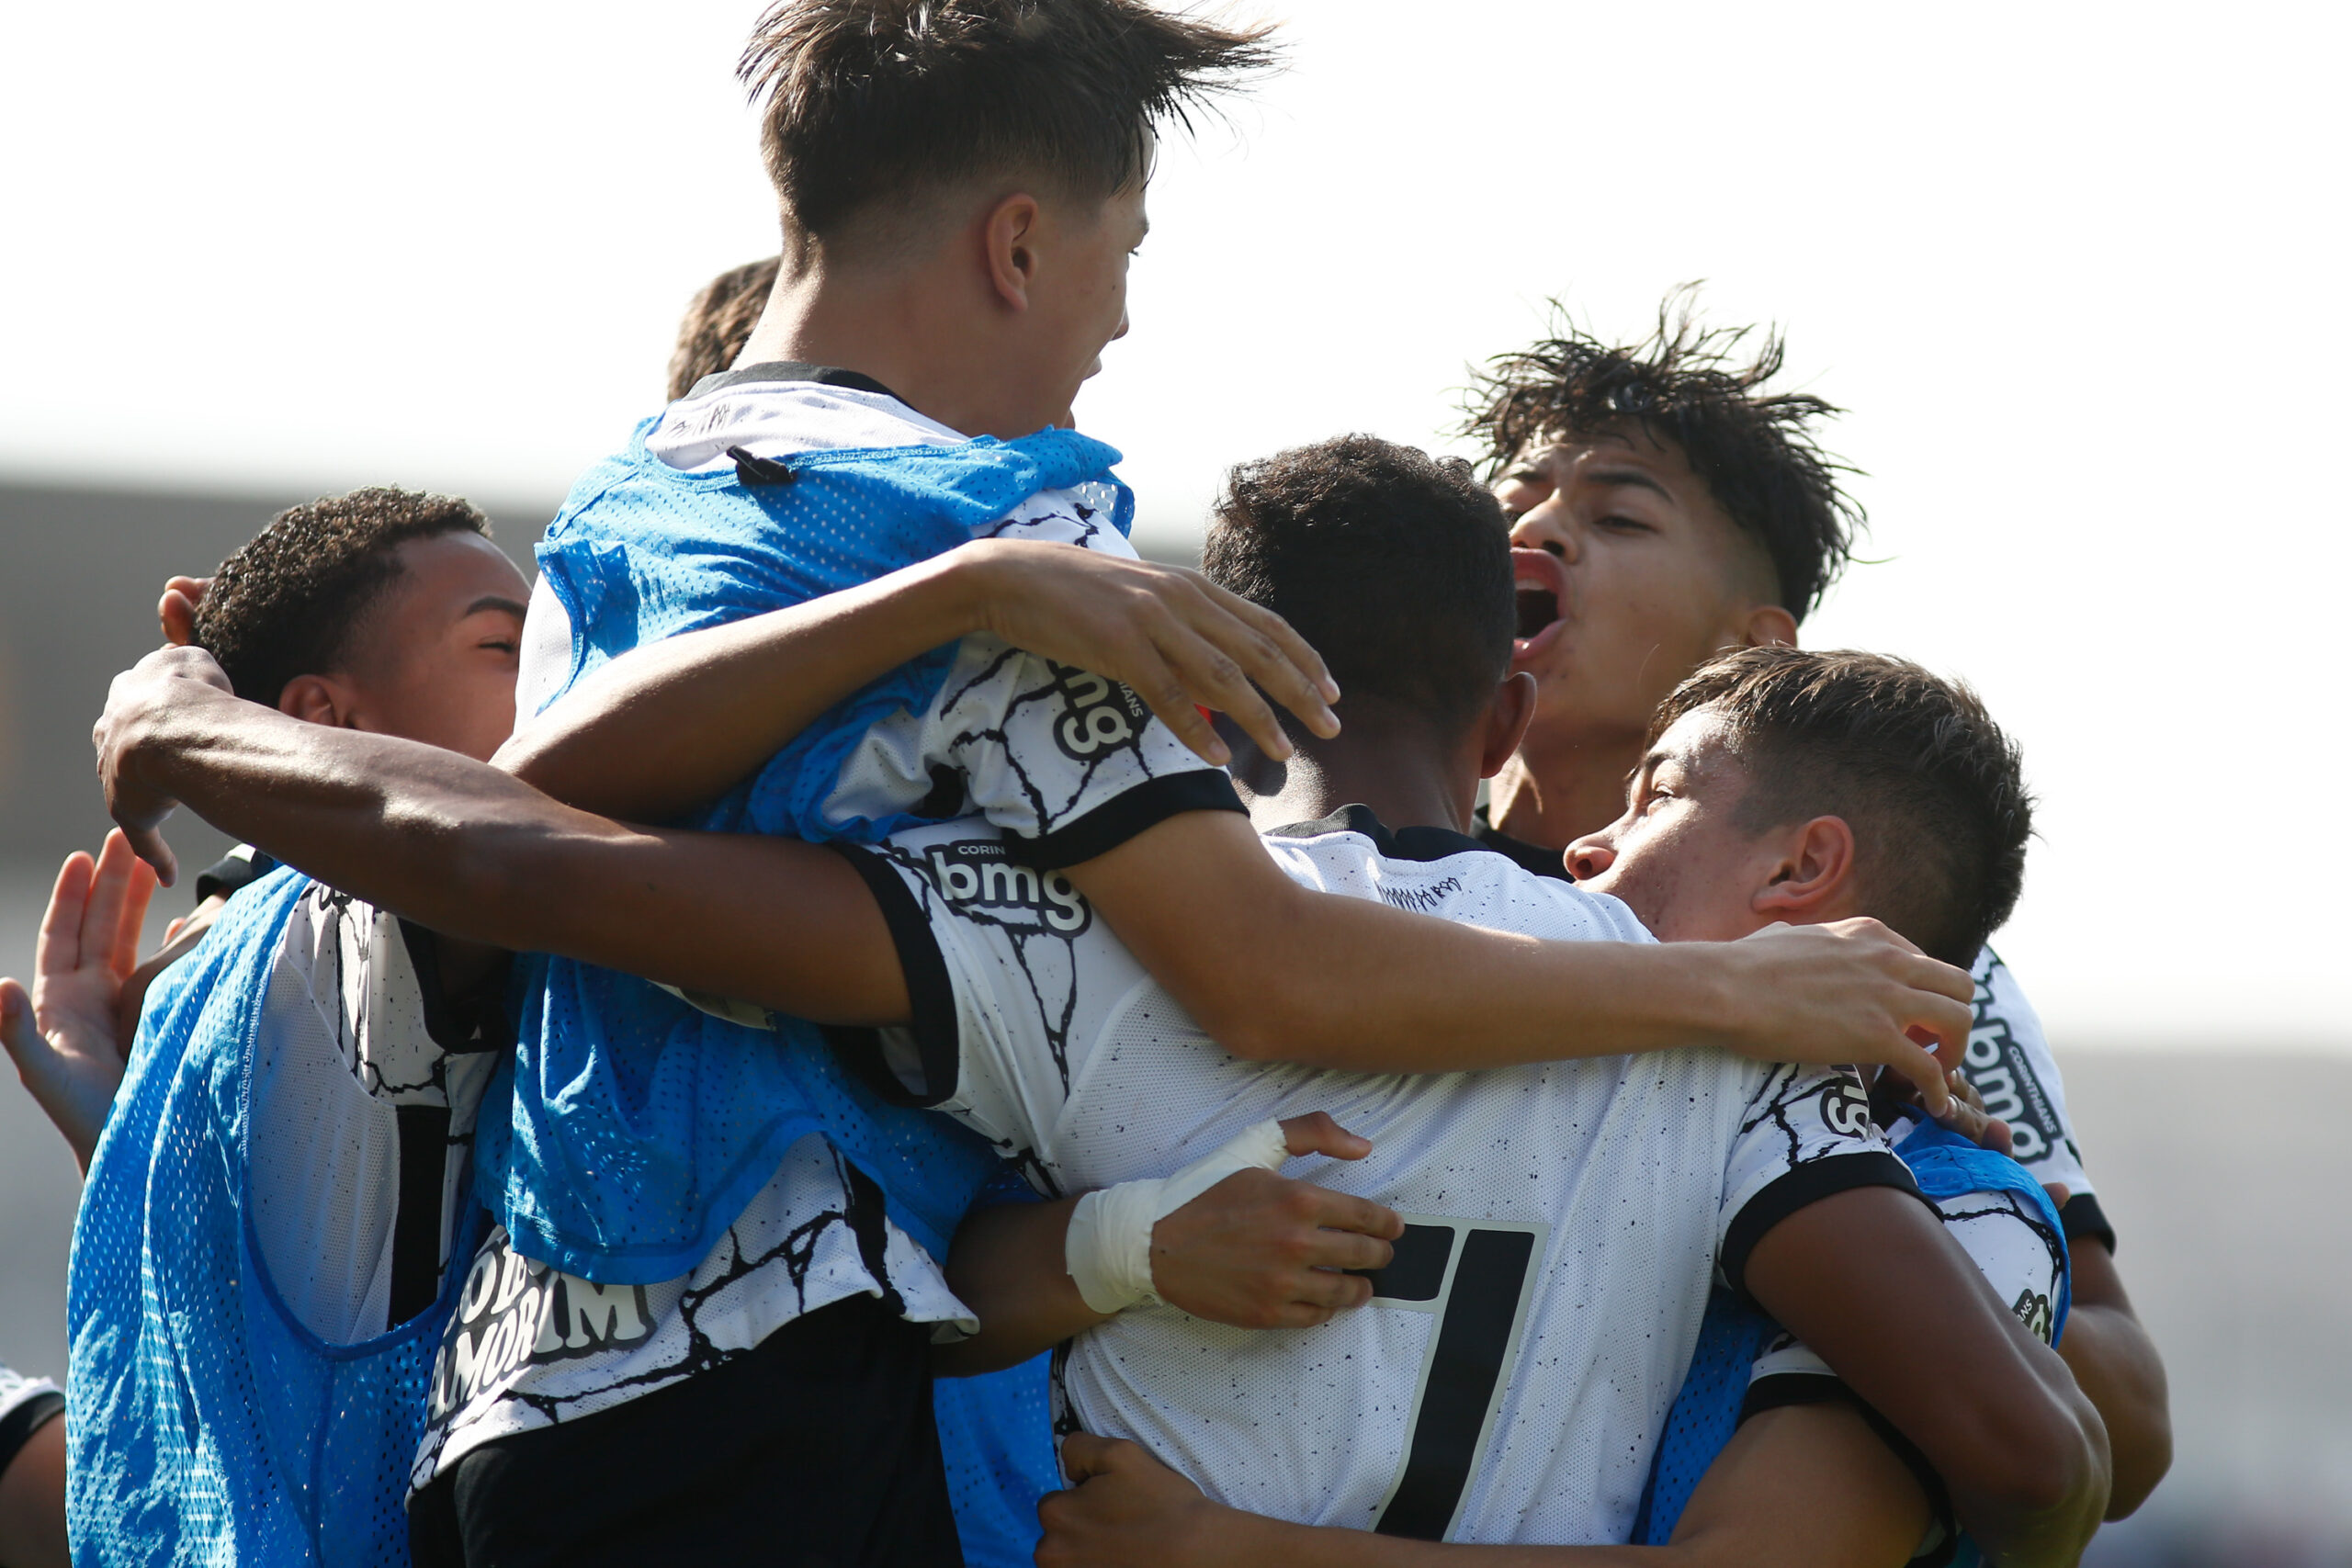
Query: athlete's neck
{"type": "Point", "coordinates": [1390, 764]}
{"type": "Point", "coordinates": [916, 328]}
{"type": "Point", "coordinates": [1552, 794]}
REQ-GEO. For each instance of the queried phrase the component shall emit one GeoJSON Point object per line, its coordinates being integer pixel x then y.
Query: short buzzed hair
{"type": "Point", "coordinates": [718, 324]}
{"type": "Point", "coordinates": [290, 601]}
{"type": "Point", "coordinates": [1393, 565]}
{"type": "Point", "coordinates": [1686, 383]}
{"type": "Point", "coordinates": [874, 100]}
{"type": "Point", "coordinates": [1933, 790]}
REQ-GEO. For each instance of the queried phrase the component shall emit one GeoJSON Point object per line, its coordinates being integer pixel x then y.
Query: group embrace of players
{"type": "Point", "coordinates": [1079, 1077]}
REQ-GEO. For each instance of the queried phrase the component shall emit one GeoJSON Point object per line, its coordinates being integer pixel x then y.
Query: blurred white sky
{"type": "Point", "coordinates": [2076, 270]}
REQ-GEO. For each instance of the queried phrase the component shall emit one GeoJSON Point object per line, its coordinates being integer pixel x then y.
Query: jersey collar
{"type": "Point", "coordinates": [793, 370]}
{"type": "Point", "coordinates": [1404, 843]}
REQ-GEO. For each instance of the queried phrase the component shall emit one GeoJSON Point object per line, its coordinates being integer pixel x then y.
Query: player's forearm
{"type": "Point", "coordinates": [674, 725]}
{"type": "Point", "coordinates": [2116, 1363]}
{"type": "Point", "coordinates": [467, 849]}
{"type": "Point", "coordinates": [1870, 1282]}
{"type": "Point", "coordinates": [1276, 972]}
{"type": "Point", "coordinates": [1007, 1265]}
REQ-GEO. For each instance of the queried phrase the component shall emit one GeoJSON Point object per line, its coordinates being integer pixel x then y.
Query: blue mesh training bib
{"type": "Point", "coordinates": [634, 1128]}
{"type": "Point", "coordinates": [206, 1424]}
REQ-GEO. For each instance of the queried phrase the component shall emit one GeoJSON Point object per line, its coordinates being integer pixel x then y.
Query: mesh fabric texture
{"type": "Point", "coordinates": [207, 1425]}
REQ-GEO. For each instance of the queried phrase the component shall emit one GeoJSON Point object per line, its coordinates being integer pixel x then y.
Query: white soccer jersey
{"type": "Point", "coordinates": [1510, 1378]}
{"type": "Point", "coordinates": [366, 1082]}
{"type": "Point", "coordinates": [2009, 1062]}
{"type": "Point", "coordinates": [531, 1348]}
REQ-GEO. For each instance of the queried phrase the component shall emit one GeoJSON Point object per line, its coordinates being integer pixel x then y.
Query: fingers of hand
{"type": "Point", "coordinates": [2059, 1192]}
{"type": "Point", "coordinates": [149, 842]}
{"type": "Point", "coordinates": [1085, 1455]}
{"type": "Point", "coordinates": [110, 897]}
{"type": "Point", "coordinates": [59, 950]}
{"type": "Point", "coordinates": [17, 1016]}
{"type": "Point", "coordinates": [1286, 646]}
{"type": "Point", "coordinates": [1316, 1134]}
{"type": "Point", "coordinates": [1925, 1071]}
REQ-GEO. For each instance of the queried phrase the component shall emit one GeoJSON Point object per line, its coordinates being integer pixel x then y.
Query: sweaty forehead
{"type": "Point", "coordinates": [1701, 745]}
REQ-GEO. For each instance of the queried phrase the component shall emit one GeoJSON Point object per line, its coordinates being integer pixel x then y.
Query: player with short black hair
{"type": "Point", "coordinates": [1368, 512]}
{"type": "Point", "coordinates": [290, 601]}
{"type": "Point", "coordinates": [717, 324]}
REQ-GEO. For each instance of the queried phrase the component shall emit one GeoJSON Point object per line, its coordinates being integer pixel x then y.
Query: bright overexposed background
{"type": "Point", "coordinates": [2075, 270]}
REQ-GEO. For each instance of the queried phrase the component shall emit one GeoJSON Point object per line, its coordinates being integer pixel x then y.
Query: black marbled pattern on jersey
{"type": "Point", "coordinates": [1840, 1104]}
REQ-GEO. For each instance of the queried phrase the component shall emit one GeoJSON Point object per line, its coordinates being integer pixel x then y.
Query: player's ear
{"type": "Point", "coordinates": [1507, 716]}
{"type": "Point", "coordinates": [1814, 876]}
{"type": "Point", "coordinates": [1766, 625]}
{"type": "Point", "coordinates": [1010, 235]}
{"type": "Point", "coordinates": [317, 699]}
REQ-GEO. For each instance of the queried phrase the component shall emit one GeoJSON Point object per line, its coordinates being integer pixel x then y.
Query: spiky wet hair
{"type": "Point", "coordinates": [1933, 790]}
{"type": "Point", "coordinates": [869, 100]}
{"type": "Point", "coordinates": [1690, 385]}
{"type": "Point", "coordinates": [289, 602]}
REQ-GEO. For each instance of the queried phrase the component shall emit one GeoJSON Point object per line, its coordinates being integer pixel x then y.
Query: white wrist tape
{"type": "Point", "coordinates": [1108, 1247]}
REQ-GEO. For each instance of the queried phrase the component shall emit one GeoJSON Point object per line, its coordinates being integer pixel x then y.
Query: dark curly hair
{"type": "Point", "coordinates": [1395, 565]}
{"type": "Point", "coordinates": [719, 322]}
{"type": "Point", "coordinates": [868, 101]}
{"type": "Point", "coordinates": [1754, 450]}
{"type": "Point", "coordinates": [289, 601]}
{"type": "Point", "coordinates": [1933, 790]}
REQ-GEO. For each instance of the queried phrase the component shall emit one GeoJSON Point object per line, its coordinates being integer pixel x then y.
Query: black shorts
{"type": "Point", "coordinates": [817, 1449]}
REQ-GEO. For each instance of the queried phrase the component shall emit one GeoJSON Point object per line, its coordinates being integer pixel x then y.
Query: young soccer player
{"type": "Point", "coordinates": [263, 1240]}
{"type": "Point", "coordinates": [1668, 505]}
{"type": "Point", "coordinates": [1004, 967]}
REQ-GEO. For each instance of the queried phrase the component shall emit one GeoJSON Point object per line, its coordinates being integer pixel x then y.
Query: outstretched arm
{"type": "Point", "coordinates": [672, 726]}
{"type": "Point", "coordinates": [1804, 1486]}
{"type": "Point", "coordinates": [1277, 972]}
{"type": "Point", "coordinates": [1869, 1280]}
{"type": "Point", "coordinates": [472, 852]}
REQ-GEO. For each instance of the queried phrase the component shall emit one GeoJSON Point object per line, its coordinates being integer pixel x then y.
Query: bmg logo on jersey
{"type": "Point", "coordinates": [514, 1311]}
{"type": "Point", "coordinates": [1100, 715]}
{"type": "Point", "coordinates": [978, 873]}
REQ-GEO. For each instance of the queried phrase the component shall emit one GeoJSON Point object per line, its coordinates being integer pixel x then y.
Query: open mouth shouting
{"type": "Point", "coordinates": [1542, 584]}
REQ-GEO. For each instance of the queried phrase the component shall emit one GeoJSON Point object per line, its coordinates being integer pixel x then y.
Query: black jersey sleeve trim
{"type": "Point", "coordinates": [239, 868]}
{"type": "Point", "coordinates": [931, 995]}
{"type": "Point", "coordinates": [16, 1427]}
{"type": "Point", "coordinates": [1800, 1188]}
{"type": "Point", "coordinates": [1123, 817]}
{"type": "Point", "coordinates": [2082, 1217]}
{"type": "Point", "coordinates": [1781, 1389]}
